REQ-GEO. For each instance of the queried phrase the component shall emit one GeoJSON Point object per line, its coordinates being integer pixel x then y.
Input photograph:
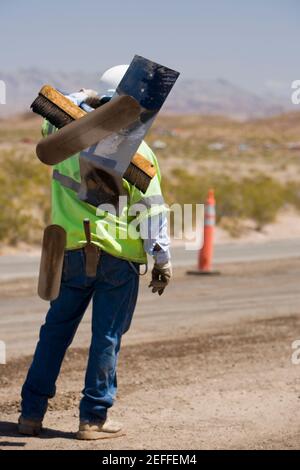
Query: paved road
{"type": "Point", "coordinates": [188, 299]}
{"type": "Point", "coordinates": [243, 290]}
{"type": "Point", "coordinates": [26, 266]}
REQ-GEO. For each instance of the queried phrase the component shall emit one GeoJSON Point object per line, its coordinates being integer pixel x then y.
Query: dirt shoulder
{"type": "Point", "coordinates": [233, 386]}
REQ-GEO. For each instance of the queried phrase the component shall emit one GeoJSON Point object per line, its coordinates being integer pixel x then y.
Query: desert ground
{"type": "Point", "coordinates": [209, 364]}
{"type": "Point", "coordinates": [206, 366]}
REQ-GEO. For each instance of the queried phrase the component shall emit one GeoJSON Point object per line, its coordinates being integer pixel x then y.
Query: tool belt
{"type": "Point", "coordinates": [91, 264]}
{"type": "Point", "coordinates": [52, 258]}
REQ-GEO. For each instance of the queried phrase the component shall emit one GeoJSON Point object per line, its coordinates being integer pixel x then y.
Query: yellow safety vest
{"type": "Point", "coordinates": [115, 234]}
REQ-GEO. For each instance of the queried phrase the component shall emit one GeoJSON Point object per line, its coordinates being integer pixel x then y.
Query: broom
{"type": "Point", "coordinates": [60, 111]}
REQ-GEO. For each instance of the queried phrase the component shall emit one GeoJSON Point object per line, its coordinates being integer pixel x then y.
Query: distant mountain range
{"type": "Point", "coordinates": [188, 96]}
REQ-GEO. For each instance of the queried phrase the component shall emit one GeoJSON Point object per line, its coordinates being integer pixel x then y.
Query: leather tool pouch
{"type": "Point", "coordinates": [92, 256]}
{"type": "Point", "coordinates": [92, 252]}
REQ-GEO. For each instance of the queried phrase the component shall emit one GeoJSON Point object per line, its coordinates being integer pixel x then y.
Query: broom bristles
{"type": "Point", "coordinates": [55, 115]}
{"type": "Point", "coordinates": [137, 177]}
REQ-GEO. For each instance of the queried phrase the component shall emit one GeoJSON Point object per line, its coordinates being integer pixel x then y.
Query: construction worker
{"type": "Point", "coordinates": [114, 289]}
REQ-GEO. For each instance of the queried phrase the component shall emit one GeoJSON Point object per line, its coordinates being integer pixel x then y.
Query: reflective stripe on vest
{"type": "Point", "coordinates": [66, 181]}
{"type": "Point", "coordinates": [70, 183]}
{"type": "Point", "coordinates": [151, 200]}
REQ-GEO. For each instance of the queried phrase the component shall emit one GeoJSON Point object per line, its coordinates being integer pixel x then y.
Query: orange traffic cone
{"type": "Point", "coordinates": [205, 255]}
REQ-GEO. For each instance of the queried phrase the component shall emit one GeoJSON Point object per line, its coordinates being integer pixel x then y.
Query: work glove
{"type": "Point", "coordinates": [161, 275]}
{"type": "Point", "coordinates": [89, 93]}
{"type": "Point", "coordinates": [92, 99]}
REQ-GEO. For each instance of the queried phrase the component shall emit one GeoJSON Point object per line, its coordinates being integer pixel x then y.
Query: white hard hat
{"type": "Point", "coordinates": [111, 79]}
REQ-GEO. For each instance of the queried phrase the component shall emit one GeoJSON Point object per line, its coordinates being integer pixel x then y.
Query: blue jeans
{"type": "Point", "coordinates": [114, 292]}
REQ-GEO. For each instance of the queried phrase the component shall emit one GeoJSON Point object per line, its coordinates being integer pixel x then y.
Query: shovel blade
{"type": "Point", "coordinates": [149, 84]}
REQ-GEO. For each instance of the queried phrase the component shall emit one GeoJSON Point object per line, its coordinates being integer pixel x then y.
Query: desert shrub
{"type": "Point", "coordinates": [258, 198]}
{"type": "Point", "coordinates": [292, 193]}
{"type": "Point", "coordinates": [24, 196]}
{"type": "Point", "coordinates": [262, 199]}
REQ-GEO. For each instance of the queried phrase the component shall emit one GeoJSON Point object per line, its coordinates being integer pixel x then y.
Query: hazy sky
{"type": "Point", "coordinates": [248, 42]}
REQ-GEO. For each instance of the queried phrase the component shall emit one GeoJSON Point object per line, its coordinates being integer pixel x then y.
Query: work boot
{"type": "Point", "coordinates": [29, 427]}
{"type": "Point", "coordinates": [102, 430]}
